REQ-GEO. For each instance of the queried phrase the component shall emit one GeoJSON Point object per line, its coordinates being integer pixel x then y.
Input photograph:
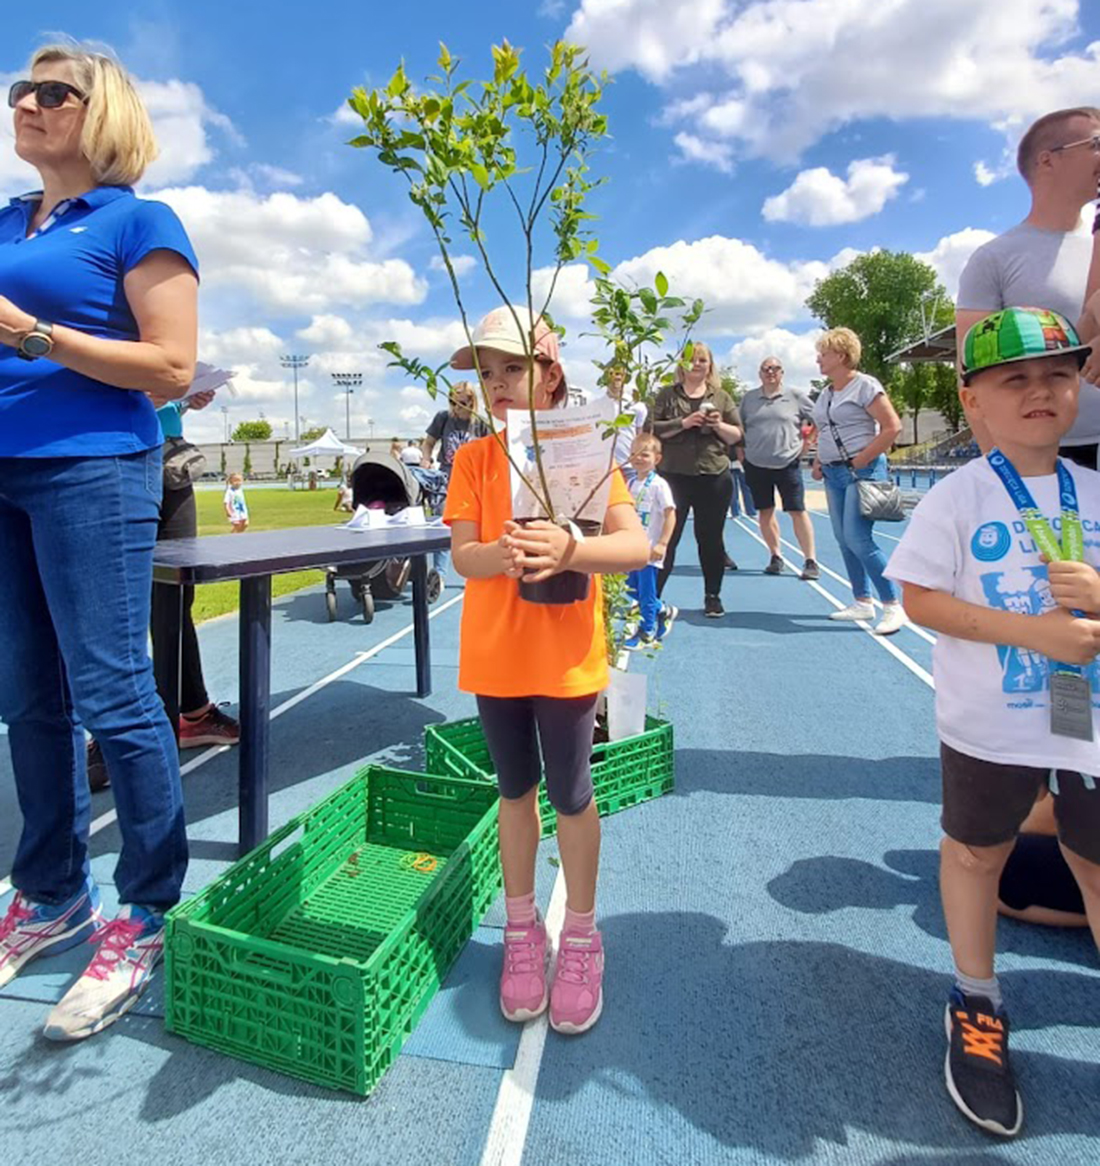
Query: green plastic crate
{"type": "Point", "coordinates": [317, 953]}
{"type": "Point", "coordinates": [624, 773]}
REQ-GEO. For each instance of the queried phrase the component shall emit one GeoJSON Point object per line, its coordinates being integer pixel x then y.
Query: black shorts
{"type": "Point", "coordinates": [984, 803]}
{"type": "Point", "coordinates": [763, 484]}
{"type": "Point", "coordinates": [527, 734]}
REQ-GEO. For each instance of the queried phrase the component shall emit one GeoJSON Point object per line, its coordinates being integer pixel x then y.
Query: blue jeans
{"type": "Point", "coordinates": [641, 585]}
{"type": "Point", "coordinates": [862, 555]}
{"type": "Point", "coordinates": [76, 568]}
{"type": "Point", "coordinates": [742, 486]}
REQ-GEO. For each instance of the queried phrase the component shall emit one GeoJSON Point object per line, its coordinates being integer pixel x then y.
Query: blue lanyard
{"type": "Point", "coordinates": [1071, 546]}
{"type": "Point", "coordinates": [643, 497]}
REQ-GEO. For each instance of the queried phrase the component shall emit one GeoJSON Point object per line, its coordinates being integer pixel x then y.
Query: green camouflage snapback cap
{"type": "Point", "coordinates": [1019, 334]}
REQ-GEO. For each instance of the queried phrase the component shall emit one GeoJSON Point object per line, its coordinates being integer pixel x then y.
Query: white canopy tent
{"type": "Point", "coordinates": [327, 445]}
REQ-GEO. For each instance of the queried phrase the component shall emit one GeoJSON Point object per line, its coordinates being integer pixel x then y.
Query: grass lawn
{"type": "Point", "coordinates": [267, 510]}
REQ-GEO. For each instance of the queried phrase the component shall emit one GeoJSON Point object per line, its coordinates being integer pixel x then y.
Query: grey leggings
{"type": "Point", "coordinates": [514, 728]}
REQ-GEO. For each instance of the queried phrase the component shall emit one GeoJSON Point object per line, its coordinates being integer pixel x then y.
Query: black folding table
{"type": "Point", "coordinates": [254, 559]}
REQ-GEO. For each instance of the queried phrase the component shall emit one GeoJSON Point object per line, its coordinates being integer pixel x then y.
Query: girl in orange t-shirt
{"type": "Point", "coordinates": [537, 671]}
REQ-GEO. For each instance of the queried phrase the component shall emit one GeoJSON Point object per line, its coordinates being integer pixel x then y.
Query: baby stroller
{"type": "Point", "coordinates": [378, 478]}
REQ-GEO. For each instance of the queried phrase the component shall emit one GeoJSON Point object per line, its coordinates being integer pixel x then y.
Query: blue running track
{"type": "Point", "coordinates": [776, 953]}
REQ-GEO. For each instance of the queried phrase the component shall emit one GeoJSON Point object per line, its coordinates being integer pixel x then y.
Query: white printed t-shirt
{"type": "Point", "coordinates": [652, 497]}
{"type": "Point", "coordinates": [967, 538]}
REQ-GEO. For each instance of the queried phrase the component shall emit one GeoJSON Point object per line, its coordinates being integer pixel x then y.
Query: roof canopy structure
{"type": "Point", "coordinates": [938, 348]}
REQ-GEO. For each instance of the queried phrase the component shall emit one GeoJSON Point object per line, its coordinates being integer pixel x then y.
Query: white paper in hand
{"type": "Point", "coordinates": [209, 379]}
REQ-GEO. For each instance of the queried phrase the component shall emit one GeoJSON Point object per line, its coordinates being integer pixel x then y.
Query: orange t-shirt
{"type": "Point", "coordinates": [510, 647]}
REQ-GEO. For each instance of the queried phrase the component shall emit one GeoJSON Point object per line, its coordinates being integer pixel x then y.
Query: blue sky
{"type": "Point", "coordinates": [756, 145]}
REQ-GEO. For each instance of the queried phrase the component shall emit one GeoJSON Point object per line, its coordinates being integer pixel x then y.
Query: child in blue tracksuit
{"type": "Point", "coordinates": [657, 510]}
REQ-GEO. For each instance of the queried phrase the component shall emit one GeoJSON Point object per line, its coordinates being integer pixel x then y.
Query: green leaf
{"type": "Point", "coordinates": [660, 282]}
{"type": "Point", "coordinates": [602, 267]}
{"type": "Point", "coordinates": [649, 300]}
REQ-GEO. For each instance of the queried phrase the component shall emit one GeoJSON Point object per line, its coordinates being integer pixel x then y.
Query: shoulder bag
{"type": "Point", "coordinates": [878, 501]}
{"type": "Point", "coordinates": [183, 463]}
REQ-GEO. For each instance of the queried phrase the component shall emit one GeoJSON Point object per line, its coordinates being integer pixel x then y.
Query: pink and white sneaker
{"type": "Point", "coordinates": [31, 929]}
{"type": "Point", "coordinates": [523, 993]}
{"type": "Point", "coordinates": [576, 997]}
{"type": "Point", "coordinates": [130, 947]}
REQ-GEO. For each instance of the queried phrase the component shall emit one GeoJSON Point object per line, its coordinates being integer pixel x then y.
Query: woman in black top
{"type": "Point", "coordinates": [697, 422]}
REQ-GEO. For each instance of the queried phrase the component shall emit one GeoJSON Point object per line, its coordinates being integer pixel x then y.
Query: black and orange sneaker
{"type": "Point", "coordinates": [977, 1070]}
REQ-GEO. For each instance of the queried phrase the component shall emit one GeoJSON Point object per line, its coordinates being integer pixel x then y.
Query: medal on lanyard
{"type": "Point", "coordinates": [643, 496]}
{"type": "Point", "coordinates": [1070, 691]}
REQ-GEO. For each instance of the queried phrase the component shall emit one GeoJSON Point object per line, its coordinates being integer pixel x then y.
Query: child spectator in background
{"type": "Point", "coordinates": [236, 508]}
{"type": "Point", "coordinates": [657, 512]}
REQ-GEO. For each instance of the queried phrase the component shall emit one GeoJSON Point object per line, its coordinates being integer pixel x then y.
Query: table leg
{"type": "Point", "coordinates": [422, 646]}
{"type": "Point", "coordinates": [167, 629]}
{"type": "Point", "coordinates": [255, 671]}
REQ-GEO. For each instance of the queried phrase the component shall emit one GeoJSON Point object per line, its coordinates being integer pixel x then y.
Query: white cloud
{"type": "Point", "coordinates": [573, 291]}
{"type": "Point", "coordinates": [462, 264]}
{"type": "Point", "coordinates": [652, 36]}
{"type": "Point", "coordinates": [718, 155]}
{"type": "Point", "coordinates": [344, 115]}
{"type": "Point", "coordinates": [780, 74]}
{"type": "Point", "coordinates": [950, 254]}
{"type": "Point", "coordinates": [745, 291]}
{"type": "Point", "coordinates": [292, 255]}
{"type": "Point", "coordinates": [181, 120]}
{"type": "Point", "coordinates": [983, 175]}
{"type": "Point", "coordinates": [416, 416]}
{"type": "Point", "coordinates": [327, 331]}
{"type": "Point", "coordinates": [795, 351]}
{"type": "Point", "coordinates": [819, 198]}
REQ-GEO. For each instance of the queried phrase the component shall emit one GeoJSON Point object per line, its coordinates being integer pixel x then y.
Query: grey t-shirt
{"type": "Point", "coordinates": [773, 426]}
{"type": "Point", "coordinates": [1028, 267]}
{"type": "Point", "coordinates": [848, 409]}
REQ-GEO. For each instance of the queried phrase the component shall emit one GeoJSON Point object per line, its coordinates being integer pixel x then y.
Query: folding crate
{"type": "Point", "coordinates": [624, 773]}
{"type": "Point", "coordinates": [316, 954]}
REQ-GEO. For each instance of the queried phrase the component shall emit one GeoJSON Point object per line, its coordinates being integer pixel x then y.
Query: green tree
{"type": "Point", "coordinates": [277, 444]}
{"type": "Point", "coordinates": [247, 460]}
{"type": "Point", "coordinates": [253, 431]}
{"type": "Point", "coordinates": [732, 383]}
{"type": "Point", "coordinates": [521, 142]}
{"type": "Point", "coordinates": [887, 298]}
{"type": "Point", "coordinates": [313, 434]}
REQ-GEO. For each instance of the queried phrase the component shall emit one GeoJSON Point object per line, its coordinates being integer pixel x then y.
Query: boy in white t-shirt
{"type": "Point", "coordinates": [657, 510]}
{"type": "Point", "coordinates": [1012, 589]}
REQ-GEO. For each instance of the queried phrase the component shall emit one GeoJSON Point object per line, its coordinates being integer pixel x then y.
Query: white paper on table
{"type": "Point", "coordinates": [209, 379]}
{"type": "Point", "coordinates": [367, 519]}
{"type": "Point", "coordinates": [575, 460]}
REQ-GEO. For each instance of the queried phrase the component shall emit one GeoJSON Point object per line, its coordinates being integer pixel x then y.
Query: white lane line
{"type": "Point", "coordinates": [917, 631]}
{"type": "Point", "coordinates": [105, 820]}
{"type": "Point", "coordinates": [507, 1134]}
{"type": "Point", "coordinates": [882, 641]}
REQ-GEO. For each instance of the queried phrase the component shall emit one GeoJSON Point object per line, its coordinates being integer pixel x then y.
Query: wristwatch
{"type": "Point", "coordinates": [37, 342]}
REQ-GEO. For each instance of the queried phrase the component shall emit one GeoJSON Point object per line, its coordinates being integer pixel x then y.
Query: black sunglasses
{"type": "Point", "coordinates": [48, 94]}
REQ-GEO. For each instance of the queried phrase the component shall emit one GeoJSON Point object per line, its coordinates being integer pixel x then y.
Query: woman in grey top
{"type": "Point", "coordinates": [856, 425]}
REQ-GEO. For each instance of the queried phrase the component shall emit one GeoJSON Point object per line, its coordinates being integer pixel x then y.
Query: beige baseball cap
{"type": "Point", "coordinates": [498, 330]}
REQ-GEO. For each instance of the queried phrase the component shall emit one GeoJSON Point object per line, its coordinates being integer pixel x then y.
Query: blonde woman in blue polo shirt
{"type": "Point", "coordinates": [97, 328]}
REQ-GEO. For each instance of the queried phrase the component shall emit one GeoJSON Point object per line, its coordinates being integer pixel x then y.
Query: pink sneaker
{"type": "Point", "coordinates": [523, 993]}
{"type": "Point", "coordinates": [576, 997]}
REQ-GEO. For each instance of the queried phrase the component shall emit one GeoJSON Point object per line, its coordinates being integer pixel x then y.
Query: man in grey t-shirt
{"type": "Point", "coordinates": [1044, 261]}
{"type": "Point", "coordinates": [772, 417]}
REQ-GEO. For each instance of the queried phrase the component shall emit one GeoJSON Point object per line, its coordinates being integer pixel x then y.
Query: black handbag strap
{"type": "Point", "coordinates": [845, 455]}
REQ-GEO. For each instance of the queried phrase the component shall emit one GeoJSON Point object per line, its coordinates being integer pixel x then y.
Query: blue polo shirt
{"type": "Point", "coordinates": [71, 272]}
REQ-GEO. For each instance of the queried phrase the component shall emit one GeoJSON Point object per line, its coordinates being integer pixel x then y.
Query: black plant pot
{"type": "Point", "coordinates": [564, 587]}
